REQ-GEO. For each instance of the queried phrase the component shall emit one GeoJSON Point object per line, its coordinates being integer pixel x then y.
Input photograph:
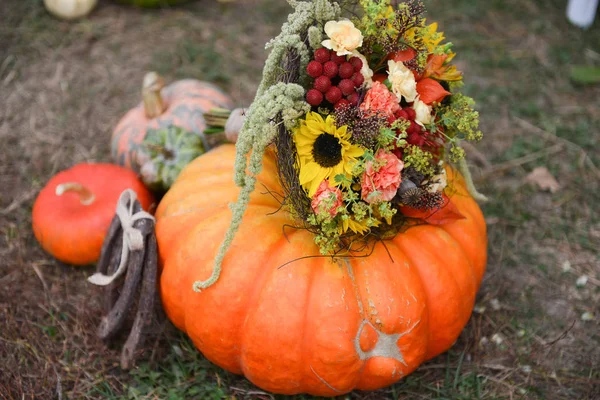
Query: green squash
{"type": "Point", "coordinates": [164, 153]}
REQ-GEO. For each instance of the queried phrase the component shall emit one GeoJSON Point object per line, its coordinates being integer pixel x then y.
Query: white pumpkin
{"type": "Point", "coordinates": [70, 9]}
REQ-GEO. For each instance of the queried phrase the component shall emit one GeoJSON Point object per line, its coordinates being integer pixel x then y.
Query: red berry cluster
{"type": "Point", "coordinates": [417, 135]}
{"type": "Point", "coordinates": [336, 79]}
{"type": "Point", "coordinates": [415, 130]}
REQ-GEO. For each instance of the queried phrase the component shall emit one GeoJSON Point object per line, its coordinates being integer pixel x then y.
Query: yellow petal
{"type": "Point", "coordinates": [308, 172]}
{"type": "Point", "coordinates": [321, 174]}
{"type": "Point", "coordinates": [354, 152]}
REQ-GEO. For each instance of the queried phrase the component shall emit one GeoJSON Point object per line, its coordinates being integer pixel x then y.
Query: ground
{"type": "Point", "coordinates": [534, 333]}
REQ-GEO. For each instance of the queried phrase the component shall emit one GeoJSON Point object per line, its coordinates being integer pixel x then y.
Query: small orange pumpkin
{"type": "Point", "coordinates": [315, 325]}
{"type": "Point", "coordinates": [72, 213]}
{"type": "Point", "coordinates": [182, 104]}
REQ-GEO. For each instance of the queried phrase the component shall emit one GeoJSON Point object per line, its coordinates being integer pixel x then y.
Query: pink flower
{"type": "Point", "coordinates": [327, 199]}
{"type": "Point", "coordinates": [383, 183]}
{"type": "Point", "coordinates": [380, 100]}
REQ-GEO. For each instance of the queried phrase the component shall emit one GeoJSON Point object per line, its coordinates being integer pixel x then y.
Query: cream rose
{"type": "Point", "coordinates": [402, 80]}
{"type": "Point", "coordinates": [343, 37]}
{"type": "Point", "coordinates": [423, 112]}
{"type": "Point", "coordinates": [366, 71]}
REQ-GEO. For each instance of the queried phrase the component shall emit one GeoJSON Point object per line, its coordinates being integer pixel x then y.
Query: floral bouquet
{"type": "Point", "coordinates": [354, 250]}
{"type": "Point", "coordinates": [364, 112]}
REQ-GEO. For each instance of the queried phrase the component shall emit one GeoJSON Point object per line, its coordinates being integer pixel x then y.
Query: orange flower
{"type": "Point", "coordinates": [380, 99]}
{"type": "Point", "coordinates": [430, 91]}
{"type": "Point", "coordinates": [382, 184]}
{"type": "Point", "coordinates": [327, 199]}
{"type": "Point", "coordinates": [438, 68]}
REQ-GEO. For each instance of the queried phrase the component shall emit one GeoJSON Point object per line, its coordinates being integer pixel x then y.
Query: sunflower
{"type": "Point", "coordinates": [324, 151]}
{"type": "Point", "coordinates": [355, 226]}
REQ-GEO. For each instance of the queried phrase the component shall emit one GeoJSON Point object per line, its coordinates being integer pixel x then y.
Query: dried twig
{"type": "Point", "coordinates": [556, 139]}
{"type": "Point", "coordinates": [519, 161]}
{"type": "Point", "coordinates": [562, 335]}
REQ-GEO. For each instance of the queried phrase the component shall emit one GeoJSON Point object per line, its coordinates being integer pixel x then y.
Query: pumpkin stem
{"type": "Point", "coordinates": [86, 197]}
{"type": "Point", "coordinates": [154, 104]}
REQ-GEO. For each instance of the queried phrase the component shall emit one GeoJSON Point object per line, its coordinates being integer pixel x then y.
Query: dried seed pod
{"type": "Point", "coordinates": [412, 197]}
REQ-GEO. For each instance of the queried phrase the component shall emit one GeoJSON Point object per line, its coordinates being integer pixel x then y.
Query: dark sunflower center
{"type": "Point", "coordinates": [327, 151]}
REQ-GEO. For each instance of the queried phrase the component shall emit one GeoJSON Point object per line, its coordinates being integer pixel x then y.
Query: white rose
{"type": "Point", "coordinates": [366, 72]}
{"type": "Point", "coordinates": [402, 80]}
{"type": "Point", "coordinates": [423, 112]}
{"type": "Point", "coordinates": [343, 37]}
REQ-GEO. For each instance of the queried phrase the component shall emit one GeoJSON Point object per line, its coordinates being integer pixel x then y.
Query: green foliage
{"type": "Point", "coordinates": [385, 29]}
{"type": "Point", "coordinates": [585, 75]}
{"type": "Point", "coordinates": [394, 136]}
{"type": "Point", "coordinates": [183, 374]}
{"type": "Point", "coordinates": [386, 211]}
{"type": "Point", "coordinates": [460, 119]}
{"type": "Point", "coordinates": [421, 160]}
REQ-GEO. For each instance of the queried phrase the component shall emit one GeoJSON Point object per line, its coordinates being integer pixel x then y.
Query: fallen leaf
{"type": "Point", "coordinates": [495, 303]}
{"type": "Point", "coordinates": [497, 338]}
{"type": "Point", "coordinates": [543, 179]}
{"type": "Point", "coordinates": [479, 309]}
{"type": "Point", "coordinates": [581, 281]}
{"type": "Point", "coordinates": [587, 316]}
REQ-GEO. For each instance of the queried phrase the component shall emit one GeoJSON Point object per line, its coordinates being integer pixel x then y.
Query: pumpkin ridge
{"type": "Point", "coordinates": [256, 290]}
{"type": "Point", "coordinates": [172, 241]}
{"type": "Point", "coordinates": [361, 310]}
{"type": "Point", "coordinates": [474, 222]}
{"type": "Point", "coordinates": [412, 356]}
{"type": "Point", "coordinates": [174, 274]}
{"type": "Point", "coordinates": [466, 296]}
{"type": "Point", "coordinates": [210, 316]}
{"type": "Point", "coordinates": [428, 284]}
{"type": "Point", "coordinates": [303, 345]}
{"type": "Point", "coordinates": [387, 353]}
{"type": "Point", "coordinates": [464, 256]}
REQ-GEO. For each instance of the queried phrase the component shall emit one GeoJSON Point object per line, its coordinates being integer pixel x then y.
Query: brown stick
{"type": "Point", "coordinates": [107, 245]}
{"type": "Point", "coordinates": [111, 292]}
{"type": "Point", "coordinates": [112, 323]}
{"type": "Point", "coordinates": [144, 316]}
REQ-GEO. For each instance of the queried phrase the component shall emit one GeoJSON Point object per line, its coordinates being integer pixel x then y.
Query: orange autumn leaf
{"type": "Point", "coordinates": [430, 90]}
{"type": "Point", "coordinates": [403, 55]}
{"type": "Point", "coordinates": [435, 63]}
{"type": "Point", "coordinates": [436, 69]}
{"type": "Point", "coordinates": [447, 212]}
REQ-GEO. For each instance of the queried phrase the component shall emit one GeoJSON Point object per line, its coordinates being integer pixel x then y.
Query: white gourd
{"type": "Point", "coordinates": [70, 9]}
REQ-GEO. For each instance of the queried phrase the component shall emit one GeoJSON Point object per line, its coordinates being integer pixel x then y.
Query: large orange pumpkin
{"type": "Point", "coordinates": [315, 325]}
{"type": "Point", "coordinates": [182, 104]}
